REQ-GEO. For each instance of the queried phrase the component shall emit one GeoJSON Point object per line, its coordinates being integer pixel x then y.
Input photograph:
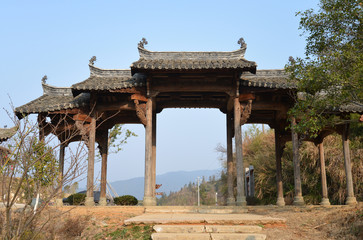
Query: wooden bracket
{"type": "Point", "coordinates": [141, 111]}
{"type": "Point", "coordinates": [246, 113]}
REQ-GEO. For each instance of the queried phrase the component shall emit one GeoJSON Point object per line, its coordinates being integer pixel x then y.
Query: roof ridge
{"type": "Point", "coordinates": [197, 55]}
{"type": "Point", "coordinates": [56, 91]}
{"type": "Point", "coordinates": [95, 71]}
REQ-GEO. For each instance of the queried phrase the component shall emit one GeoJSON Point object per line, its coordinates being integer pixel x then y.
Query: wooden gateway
{"type": "Point", "coordinates": [158, 80]}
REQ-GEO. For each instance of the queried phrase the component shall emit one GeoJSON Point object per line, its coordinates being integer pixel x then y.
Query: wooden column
{"type": "Point", "coordinates": [59, 200]}
{"type": "Point", "coordinates": [230, 200]}
{"type": "Point", "coordinates": [298, 198]}
{"type": "Point", "coordinates": [325, 199]}
{"type": "Point", "coordinates": [149, 198]}
{"type": "Point", "coordinates": [91, 162]}
{"type": "Point", "coordinates": [103, 146]}
{"type": "Point", "coordinates": [41, 125]}
{"type": "Point", "coordinates": [154, 150]}
{"type": "Point", "coordinates": [279, 148]}
{"type": "Point", "coordinates": [348, 167]}
{"type": "Point", "coordinates": [241, 196]}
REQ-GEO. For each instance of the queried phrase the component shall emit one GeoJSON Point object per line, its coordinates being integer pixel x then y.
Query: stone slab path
{"type": "Point", "coordinates": [199, 218]}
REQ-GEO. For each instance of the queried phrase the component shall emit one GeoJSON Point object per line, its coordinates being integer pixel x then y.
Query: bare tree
{"type": "Point", "coordinates": [31, 170]}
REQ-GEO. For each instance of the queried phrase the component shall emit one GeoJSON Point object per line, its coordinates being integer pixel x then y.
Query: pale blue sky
{"type": "Point", "coordinates": [57, 38]}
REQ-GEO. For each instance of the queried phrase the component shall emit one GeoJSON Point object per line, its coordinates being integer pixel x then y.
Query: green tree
{"type": "Point", "coordinates": [331, 73]}
{"type": "Point", "coordinates": [117, 138]}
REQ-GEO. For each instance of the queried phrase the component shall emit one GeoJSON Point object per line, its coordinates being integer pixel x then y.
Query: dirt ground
{"type": "Point", "coordinates": [308, 222]}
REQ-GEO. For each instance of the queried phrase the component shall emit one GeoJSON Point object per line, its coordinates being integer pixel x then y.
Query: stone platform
{"type": "Point", "coordinates": [200, 218]}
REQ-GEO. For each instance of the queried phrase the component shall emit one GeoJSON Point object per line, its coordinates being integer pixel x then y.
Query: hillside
{"type": "Point", "coordinates": [172, 181]}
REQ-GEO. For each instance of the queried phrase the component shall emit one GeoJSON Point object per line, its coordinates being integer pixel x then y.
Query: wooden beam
{"type": "Point", "coordinates": [246, 96]}
{"type": "Point", "coordinates": [140, 97]}
{"type": "Point", "coordinates": [82, 117]}
{"type": "Point", "coordinates": [127, 106]}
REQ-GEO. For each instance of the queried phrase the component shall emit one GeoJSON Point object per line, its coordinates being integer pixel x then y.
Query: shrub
{"type": "Point", "coordinates": [125, 200]}
{"type": "Point", "coordinates": [76, 199]}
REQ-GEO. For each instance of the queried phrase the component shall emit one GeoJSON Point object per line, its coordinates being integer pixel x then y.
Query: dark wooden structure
{"type": "Point", "coordinates": [159, 80]}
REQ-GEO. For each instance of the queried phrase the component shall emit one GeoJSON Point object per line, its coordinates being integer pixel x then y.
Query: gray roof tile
{"type": "Point", "coordinates": [191, 60]}
{"type": "Point", "coordinates": [53, 99]}
{"type": "Point", "coordinates": [272, 78]}
{"type": "Point", "coordinates": [108, 79]}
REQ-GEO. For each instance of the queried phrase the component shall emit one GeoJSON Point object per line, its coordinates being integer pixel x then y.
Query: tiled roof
{"type": "Point", "coordinates": [53, 99]}
{"type": "Point", "coordinates": [6, 133]}
{"type": "Point", "coordinates": [353, 107]}
{"type": "Point", "coordinates": [192, 60]}
{"type": "Point", "coordinates": [272, 78]}
{"type": "Point", "coordinates": [108, 79]}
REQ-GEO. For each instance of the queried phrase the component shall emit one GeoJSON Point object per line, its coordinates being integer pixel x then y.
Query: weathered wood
{"type": "Point", "coordinates": [41, 125]}
{"type": "Point", "coordinates": [348, 167]}
{"type": "Point", "coordinates": [325, 199]}
{"type": "Point", "coordinates": [82, 117]}
{"type": "Point", "coordinates": [141, 112]}
{"type": "Point", "coordinates": [279, 148]}
{"type": "Point", "coordinates": [128, 90]}
{"type": "Point", "coordinates": [149, 198]}
{"type": "Point", "coordinates": [103, 147]}
{"type": "Point", "coordinates": [124, 106]}
{"type": "Point", "coordinates": [246, 112]}
{"type": "Point", "coordinates": [241, 196]}
{"type": "Point", "coordinates": [246, 97]}
{"type": "Point", "coordinates": [66, 111]}
{"type": "Point", "coordinates": [139, 97]}
{"type": "Point", "coordinates": [91, 162]}
{"type": "Point", "coordinates": [230, 200]}
{"type": "Point", "coordinates": [298, 199]}
{"type": "Point", "coordinates": [154, 148]}
{"type": "Point", "coordinates": [59, 200]}
{"type": "Point", "coordinates": [182, 87]}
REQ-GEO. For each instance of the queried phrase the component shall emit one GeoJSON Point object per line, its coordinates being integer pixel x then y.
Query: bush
{"type": "Point", "coordinates": [76, 199]}
{"type": "Point", "coordinates": [125, 200]}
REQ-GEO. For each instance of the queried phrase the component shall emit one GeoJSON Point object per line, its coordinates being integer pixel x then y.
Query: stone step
{"type": "Point", "coordinates": [195, 209]}
{"type": "Point", "coordinates": [207, 236]}
{"type": "Point", "coordinates": [205, 219]}
{"type": "Point", "coordinates": [206, 229]}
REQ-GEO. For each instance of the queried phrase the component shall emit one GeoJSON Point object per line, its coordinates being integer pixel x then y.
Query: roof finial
{"type": "Point", "coordinates": [44, 79]}
{"type": "Point", "coordinates": [142, 43]}
{"type": "Point", "coordinates": [92, 60]}
{"type": "Point", "coordinates": [242, 42]}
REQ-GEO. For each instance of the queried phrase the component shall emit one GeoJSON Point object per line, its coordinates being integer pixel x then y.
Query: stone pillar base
{"type": "Point", "coordinates": [59, 202]}
{"type": "Point", "coordinates": [351, 201]}
{"type": "Point", "coordinates": [149, 201]}
{"type": "Point", "coordinates": [241, 201]}
{"type": "Point", "coordinates": [231, 202]}
{"type": "Point", "coordinates": [325, 202]}
{"type": "Point", "coordinates": [280, 202]}
{"type": "Point", "coordinates": [299, 201]}
{"type": "Point", "coordinates": [89, 201]}
{"type": "Point", "coordinates": [103, 201]}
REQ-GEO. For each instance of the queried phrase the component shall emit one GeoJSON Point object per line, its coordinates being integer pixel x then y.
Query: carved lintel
{"type": "Point", "coordinates": [246, 113]}
{"type": "Point", "coordinates": [141, 111]}
{"type": "Point", "coordinates": [139, 97]}
{"type": "Point", "coordinates": [83, 130]}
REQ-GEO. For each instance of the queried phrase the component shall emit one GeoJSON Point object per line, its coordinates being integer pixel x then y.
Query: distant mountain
{"type": "Point", "coordinates": [172, 181]}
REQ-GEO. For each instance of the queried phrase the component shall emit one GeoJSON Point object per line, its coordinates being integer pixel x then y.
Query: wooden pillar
{"type": "Point", "coordinates": [241, 196]}
{"type": "Point", "coordinates": [298, 198]}
{"type": "Point", "coordinates": [59, 200]}
{"type": "Point", "coordinates": [230, 200]}
{"type": "Point", "coordinates": [279, 148]}
{"type": "Point", "coordinates": [149, 198]}
{"type": "Point", "coordinates": [91, 162]}
{"type": "Point", "coordinates": [154, 150]}
{"type": "Point", "coordinates": [41, 124]}
{"type": "Point", "coordinates": [348, 167]}
{"type": "Point", "coordinates": [103, 146]}
{"type": "Point", "coordinates": [325, 199]}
